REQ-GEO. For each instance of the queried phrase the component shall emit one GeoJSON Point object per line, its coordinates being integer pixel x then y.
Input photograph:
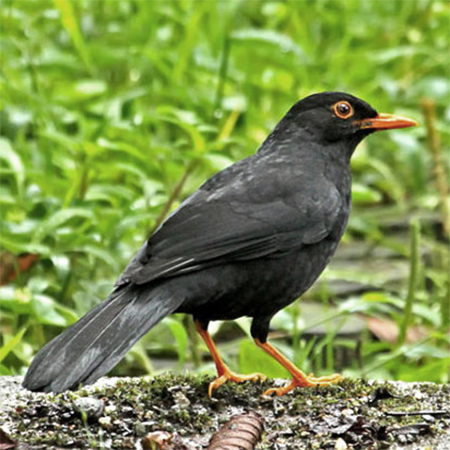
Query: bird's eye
{"type": "Point", "coordinates": [343, 110]}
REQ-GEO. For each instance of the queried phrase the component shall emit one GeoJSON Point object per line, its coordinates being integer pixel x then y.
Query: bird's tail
{"type": "Point", "coordinates": [98, 341]}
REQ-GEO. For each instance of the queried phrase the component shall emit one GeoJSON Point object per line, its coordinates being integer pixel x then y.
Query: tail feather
{"type": "Point", "coordinates": [98, 341]}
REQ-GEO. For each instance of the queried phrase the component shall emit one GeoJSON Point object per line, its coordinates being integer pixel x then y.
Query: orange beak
{"type": "Point", "coordinates": [386, 122]}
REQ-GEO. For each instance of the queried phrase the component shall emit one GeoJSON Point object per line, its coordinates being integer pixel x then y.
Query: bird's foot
{"type": "Point", "coordinates": [229, 375]}
{"type": "Point", "coordinates": [303, 380]}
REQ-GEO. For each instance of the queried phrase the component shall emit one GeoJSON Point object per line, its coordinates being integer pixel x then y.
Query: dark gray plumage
{"type": "Point", "coordinates": [250, 241]}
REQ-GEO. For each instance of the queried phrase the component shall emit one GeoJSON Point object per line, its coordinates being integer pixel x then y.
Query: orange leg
{"type": "Point", "coordinates": [299, 378]}
{"type": "Point", "coordinates": [223, 372]}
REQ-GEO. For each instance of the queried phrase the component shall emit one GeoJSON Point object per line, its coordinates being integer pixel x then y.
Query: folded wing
{"type": "Point", "coordinates": [210, 229]}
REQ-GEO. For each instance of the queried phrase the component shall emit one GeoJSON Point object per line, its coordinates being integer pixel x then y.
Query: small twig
{"type": "Point", "coordinates": [417, 413]}
{"type": "Point", "coordinates": [441, 180]}
{"type": "Point", "coordinates": [174, 195]}
{"type": "Point", "coordinates": [194, 340]}
{"type": "Point", "coordinates": [413, 281]}
{"type": "Point", "coordinates": [241, 432]}
{"type": "Point", "coordinates": [415, 429]}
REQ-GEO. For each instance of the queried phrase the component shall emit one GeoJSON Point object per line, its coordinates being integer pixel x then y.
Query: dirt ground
{"type": "Point", "coordinates": [119, 413]}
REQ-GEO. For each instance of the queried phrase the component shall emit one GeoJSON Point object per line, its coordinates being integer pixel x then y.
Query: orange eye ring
{"type": "Point", "coordinates": [343, 109]}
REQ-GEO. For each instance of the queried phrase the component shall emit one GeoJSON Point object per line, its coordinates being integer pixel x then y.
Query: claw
{"type": "Point", "coordinates": [223, 372]}
{"type": "Point", "coordinates": [307, 381]}
{"type": "Point", "coordinates": [229, 375]}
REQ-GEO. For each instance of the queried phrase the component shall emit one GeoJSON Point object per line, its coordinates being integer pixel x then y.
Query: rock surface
{"type": "Point", "coordinates": [355, 414]}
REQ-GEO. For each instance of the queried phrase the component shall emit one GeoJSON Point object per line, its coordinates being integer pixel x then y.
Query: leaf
{"type": "Point", "coordinates": [90, 88]}
{"type": "Point", "coordinates": [217, 161]}
{"type": "Point", "coordinates": [253, 359]}
{"type": "Point", "coordinates": [98, 252]}
{"type": "Point", "coordinates": [119, 146]}
{"type": "Point", "coordinates": [6, 198]}
{"type": "Point", "coordinates": [111, 193]}
{"type": "Point", "coordinates": [68, 314]}
{"type": "Point", "coordinates": [13, 160]}
{"type": "Point", "coordinates": [181, 338]}
{"type": "Point", "coordinates": [46, 311]}
{"type": "Point", "coordinates": [137, 173]}
{"type": "Point", "coordinates": [59, 218]}
{"type": "Point", "coordinates": [15, 300]}
{"type": "Point", "coordinates": [62, 139]}
{"type": "Point", "coordinates": [16, 245]}
{"type": "Point", "coordinates": [70, 23]}
{"type": "Point", "coordinates": [198, 142]}
{"type": "Point", "coordinates": [387, 55]}
{"type": "Point", "coordinates": [363, 194]}
{"type": "Point", "coordinates": [9, 346]}
{"type": "Point", "coordinates": [5, 371]}
{"type": "Point", "coordinates": [257, 36]}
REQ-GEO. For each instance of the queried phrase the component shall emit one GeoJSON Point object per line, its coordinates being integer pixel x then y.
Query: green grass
{"type": "Point", "coordinates": [112, 112]}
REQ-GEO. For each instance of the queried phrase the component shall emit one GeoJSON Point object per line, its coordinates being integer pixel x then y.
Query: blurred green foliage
{"type": "Point", "coordinates": [114, 111]}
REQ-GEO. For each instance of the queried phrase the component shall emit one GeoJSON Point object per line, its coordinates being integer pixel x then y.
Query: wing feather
{"type": "Point", "coordinates": [207, 231]}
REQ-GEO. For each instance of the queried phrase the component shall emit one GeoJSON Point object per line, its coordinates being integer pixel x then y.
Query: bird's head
{"type": "Point", "coordinates": [332, 117]}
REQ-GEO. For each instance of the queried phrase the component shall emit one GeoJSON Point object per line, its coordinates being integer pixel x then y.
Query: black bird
{"type": "Point", "coordinates": [249, 242]}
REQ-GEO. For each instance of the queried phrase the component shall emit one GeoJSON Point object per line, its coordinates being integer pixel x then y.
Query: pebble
{"type": "Point", "coordinates": [92, 407]}
{"type": "Point", "coordinates": [181, 400]}
{"type": "Point", "coordinates": [105, 422]}
{"type": "Point", "coordinates": [340, 444]}
{"type": "Point", "coordinates": [110, 409]}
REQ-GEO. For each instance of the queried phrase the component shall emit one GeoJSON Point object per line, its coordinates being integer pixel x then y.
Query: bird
{"type": "Point", "coordinates": [250, 241]}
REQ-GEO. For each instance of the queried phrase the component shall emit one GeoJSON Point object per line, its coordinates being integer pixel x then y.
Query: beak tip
{"type": "Point", "coordinates": [388, 122]}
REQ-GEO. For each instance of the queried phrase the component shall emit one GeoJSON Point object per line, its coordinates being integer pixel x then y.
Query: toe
{"type": "Point", "coordinates": [251, 377]}
{"type": "Point", "coordinates": [311, 380]}
{"type": "Point", "coordinates": [281, 390]}
{"type": "Point", "coordinates": [307, 381]}
{"type": "Point", "coordinates": [232, 376]}
{"type": "Point", "coordinates": [216, 384]}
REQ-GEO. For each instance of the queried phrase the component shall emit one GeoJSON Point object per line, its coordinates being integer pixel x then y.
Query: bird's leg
{"type": "Point", "coordinates": [299, 378]}
{"type": "Point", "coordinates": [223, 371]}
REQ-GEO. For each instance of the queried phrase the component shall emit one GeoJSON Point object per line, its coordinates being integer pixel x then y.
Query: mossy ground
{"type": "Point", "coordinates": [355, 413]}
